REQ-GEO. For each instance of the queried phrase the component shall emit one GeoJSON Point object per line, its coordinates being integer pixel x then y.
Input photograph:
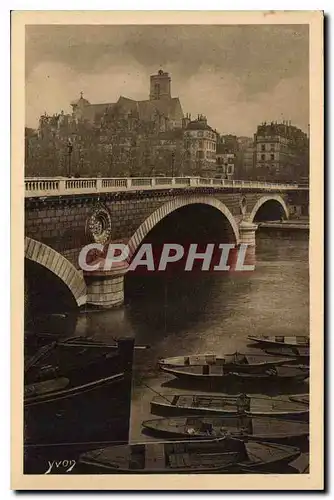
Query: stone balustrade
{"type": "Point", "coordinates": [40, 187]}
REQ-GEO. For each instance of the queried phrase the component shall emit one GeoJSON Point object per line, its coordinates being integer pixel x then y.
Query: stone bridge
{"type": "Point", "coordinates": [63, 214]}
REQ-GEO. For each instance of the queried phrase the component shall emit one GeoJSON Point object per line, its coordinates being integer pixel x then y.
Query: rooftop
{"type": "Point", "coordinates": [80, 101]}
{"type": "Point", "coordinates": [199, 124]}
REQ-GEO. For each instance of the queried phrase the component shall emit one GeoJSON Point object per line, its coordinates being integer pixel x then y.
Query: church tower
{"type": "Point", "coordinates": [160, 86]}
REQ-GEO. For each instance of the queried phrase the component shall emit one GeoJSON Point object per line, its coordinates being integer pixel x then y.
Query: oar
{"type": "Point", "coordinates": [153, 390]}
{"type": "Point", "coordinates": [105, 346]}
{"type": "Point", "coordinates": [93, 343]}
{"type": "Point", "coordinates": [40, 354]}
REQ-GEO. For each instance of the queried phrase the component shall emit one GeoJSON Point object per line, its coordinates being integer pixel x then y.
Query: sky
{"type": "Point", "coordinates": [238, 76]}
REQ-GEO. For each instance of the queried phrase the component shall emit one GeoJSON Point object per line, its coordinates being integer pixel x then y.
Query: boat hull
{"type": "Point", "coordinates": [244, 428]}
{"type": "Point", "coordinates": [276, 342]}
{"type": "Point", "coordinates": [158, 410]}
{"type": "Point", "coordinates": [297, 375]}
{"type": "Point", "coordinates": [301, 464]}
{"type": "Point", "coordinates": [175, 405]}
{"type": "Point", "coordinates": [300, 398]}
{"type": "Point", "coordinates": [237, 362]}
{"type": "Point", "coordinates": [184, 457]}
{"type": "Point", "coordinates": [295, 354]}
{"type": "Point", "coordinates": [79, 414]}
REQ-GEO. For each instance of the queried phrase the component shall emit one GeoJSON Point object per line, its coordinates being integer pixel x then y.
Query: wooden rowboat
{"type": "Point", "coordinates": [301, 464]}
{"type": "Point", "coordinates": [281, 340]}
{"type": "Point", "coordinates": [196, 456]}
{"type": "Point", "coordinates": [217, 373]}
{"type": "Point", "coordinates": [81, 361]}
{"type": "Point", "coordinates": [299, 354]}
{"type": "Point", "coordinates": [65, 390]}
{"type": "Point", "coordinates": [242, 404]}
{"type": "Point", "coordinates": [50, 391]}
{"type": "Point", "coordinates": [249, 362]}
{"type": "Point", "coordinates": [240, 427]}
{"type": "Point", "coordinates": [300, 398]}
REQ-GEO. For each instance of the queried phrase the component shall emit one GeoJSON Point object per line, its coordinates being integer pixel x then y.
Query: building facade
{"type": "Point", "coordinates": [200, 143]}
{"type": "Point", "coordinates": [128, 137]}
{"type": "Point", "coordinates": [281, 152]}
{"type": "Point", "coordinates": [225, 164]}
{"type": "Point", "coordinates": [245, 158]}
{"type": "Point", "coordinates": [161, 108]}
{"type": "Point", "coordinates": [226, 155]}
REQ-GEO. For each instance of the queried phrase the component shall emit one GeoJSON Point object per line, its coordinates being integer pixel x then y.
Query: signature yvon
{"type": "Point", "coordinates": [66, 465]}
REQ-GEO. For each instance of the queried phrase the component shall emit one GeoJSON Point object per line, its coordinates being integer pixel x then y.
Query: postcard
{"type": "Point", "coordinates": [167, 250]}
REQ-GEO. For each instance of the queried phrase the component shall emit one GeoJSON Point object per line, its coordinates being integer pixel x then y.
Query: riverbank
{"type": "Point", "coordinates": [292, 224]}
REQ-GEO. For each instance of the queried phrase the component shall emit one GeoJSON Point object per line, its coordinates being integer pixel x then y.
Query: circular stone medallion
{"type": "Point", "coordinates": [99, 225]}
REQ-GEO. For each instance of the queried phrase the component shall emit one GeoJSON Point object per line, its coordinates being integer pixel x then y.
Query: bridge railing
{"type": "Point", "coordinates": [35, 187]}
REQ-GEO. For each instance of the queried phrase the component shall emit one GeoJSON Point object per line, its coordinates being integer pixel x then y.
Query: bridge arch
{"type": "Point", "coordinates": [173, 205]}
{"type": "Point", "coordinates": [277, 199]}
{"type": "Point", "coordinates": [55, 262]}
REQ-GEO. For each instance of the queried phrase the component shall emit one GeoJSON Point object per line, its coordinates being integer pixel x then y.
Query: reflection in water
{"type": "Point", "coordinates": [202, 311]}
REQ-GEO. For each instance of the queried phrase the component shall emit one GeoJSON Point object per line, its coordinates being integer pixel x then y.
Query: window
{"type": "Point", "coordinates": [200, 134]}
{"type": "Point", "coordinates": [263, 157]}
{"type": "Point", "coordinates": [272, 156]}
{"type": "Point", "coordinates": [263, 147]}
{"type": "Point", "coordinates": [272, 147]}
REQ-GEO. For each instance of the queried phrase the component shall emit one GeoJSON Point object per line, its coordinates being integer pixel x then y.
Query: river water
{"type": "Point", "coordinates": [206, 312]}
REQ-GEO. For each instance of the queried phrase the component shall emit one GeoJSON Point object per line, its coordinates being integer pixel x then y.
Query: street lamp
{"type": "Point", "coordinates": [81, 163]}
{"type": "Point", "coordinates": [69, 153]}
{"type": "Point", "coordinates": [173, 163]}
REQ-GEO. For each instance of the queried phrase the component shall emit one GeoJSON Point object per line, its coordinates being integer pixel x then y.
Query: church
{"type": "Point", "coordinates": [161, 108]}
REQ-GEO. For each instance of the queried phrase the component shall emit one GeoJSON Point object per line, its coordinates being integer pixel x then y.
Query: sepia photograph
{"type": "Point", "coordinates": [169, 209]}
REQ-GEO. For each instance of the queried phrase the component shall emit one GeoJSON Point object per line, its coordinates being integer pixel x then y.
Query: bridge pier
{"type": "Point", "coordinates": [105, 289]}
{"type": "Point", "coordinates": [247, 232]}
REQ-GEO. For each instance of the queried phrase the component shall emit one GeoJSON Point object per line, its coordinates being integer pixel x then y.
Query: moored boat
{"type": "Point", "coordinates": [300, 398]}
{"type": "Point", "coordinates": [80, 360]}
{"type": "Point", "coordinates": [301, 464]}
{"type": "Point", "coordinates": [239, 427]}
{"type": "Point", "coordinates": [297, 355]}
{"type": "Point", "coordinates": [196, 456]}
{"type": "Point", "coordinates": [249, 362]}
{"type": "Point", "coordinates": [217, 373]}
{"type": "Point", "coordinates": [187, 404]}
{"type": "Point", "coordinates": [281, 340]}
{"type": "Point", "coordinates": [52, 390]}
{"type": "Point", "coordinates": [285, 373]}
{"type": "Point", "coordinates": [300, 354]}
{"type": "Point", "coordinates": [77, 393]}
